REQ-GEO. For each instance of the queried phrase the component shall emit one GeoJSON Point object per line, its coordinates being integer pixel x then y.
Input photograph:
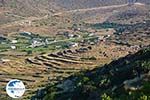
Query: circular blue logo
{"type": "Point", "coordinates": [15, 88]}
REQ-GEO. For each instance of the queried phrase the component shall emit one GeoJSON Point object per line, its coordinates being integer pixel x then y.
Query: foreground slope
{"type": "Point", "coordinates": [127, 78]}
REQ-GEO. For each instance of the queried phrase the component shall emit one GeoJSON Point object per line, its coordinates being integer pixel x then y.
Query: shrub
{"type": "Point", "coordinates": [105, 97]}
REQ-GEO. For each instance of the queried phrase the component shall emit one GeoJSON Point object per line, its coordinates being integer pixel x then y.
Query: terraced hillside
{"type": "Point", "coordinates": [125, 78]}
{"type": "Point", "coordinates": [38, 71]}
{"type": "Point", "coordinates": [64, 63]}
{"type": "Point", "coordinates": [61, 64]}
{"type": "Point", "coordinates": [43, 42]}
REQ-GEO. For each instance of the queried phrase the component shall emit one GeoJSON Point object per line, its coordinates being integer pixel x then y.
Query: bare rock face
{"type": "Point", "coordinates": [144, 1]}
{"type": "Point", "coordinates": [66, 86]}
{"type": "Point", "coordinates": [2, 3]}
{"type": "Point", "coordinates": [133, 84]}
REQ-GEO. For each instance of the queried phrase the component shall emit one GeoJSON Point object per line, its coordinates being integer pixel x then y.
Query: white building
{"type": "Point", "coordinates": [13, 47]}
{"type": "Point", "coordinates": [14, 41]}
{"type": "Point", "coordinates": [4, 60]}
{"type": "Point", "coordinates": [75, 45]}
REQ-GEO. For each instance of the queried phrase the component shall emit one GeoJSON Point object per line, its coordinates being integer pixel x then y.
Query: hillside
{"type": "Point", "coordinates": [31, 7]}
{"type": "Point", "coordinates": [76, 49]}
{"type": "Point", "coordinates": [125, 78]}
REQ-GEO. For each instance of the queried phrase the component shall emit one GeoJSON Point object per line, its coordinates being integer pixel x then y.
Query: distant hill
{"type": "Point", "coordinates": [31, 7]}
{"type": "Point", "coordinates": [144, 1]}
{"type": "Point", "coordinates": [124, 79]}
{"type": "Point", "coordinates": [130, 14]}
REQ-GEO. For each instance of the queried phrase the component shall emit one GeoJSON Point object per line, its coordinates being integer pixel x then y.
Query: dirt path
{"type": "Point", "coordinates": [89, 9]}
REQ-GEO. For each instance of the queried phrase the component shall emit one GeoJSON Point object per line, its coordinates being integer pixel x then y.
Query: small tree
{"type": "Point", "coordinates": [29, 52]}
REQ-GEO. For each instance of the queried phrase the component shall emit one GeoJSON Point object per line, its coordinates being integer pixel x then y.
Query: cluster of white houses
{"type": "Point", "coordinates": [39, 41]}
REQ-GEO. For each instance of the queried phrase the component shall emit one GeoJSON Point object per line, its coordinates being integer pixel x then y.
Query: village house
{"type": "Point", "coordinates": [26, 33]}
{"type": "Point", "coordinates": [91, 34]}
{"type": "Point", "coordinates": [67, 34]}
{"type": "Point", "coordinates": [107, 36]}
{"type": "Point", "coordinates": [101, 38]}
{"type": "Point", "coordinates": [13, 47]}
{"type": "Point", "coordinates": [75, 44]}
{"type": "Point", "coordinates": [4, 60]}
{"type": "Point", "coordinates": [14, 41]}
{"type": "Point", "coordinates": [37, 43]}
{"type": "Point", "coordinates": [72, 44]}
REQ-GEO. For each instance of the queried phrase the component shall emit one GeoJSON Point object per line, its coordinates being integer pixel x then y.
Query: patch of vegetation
{"type": "Point", "coordinates": [120, 28]}
{"type": "Point", "coordinates": [89, 58]}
